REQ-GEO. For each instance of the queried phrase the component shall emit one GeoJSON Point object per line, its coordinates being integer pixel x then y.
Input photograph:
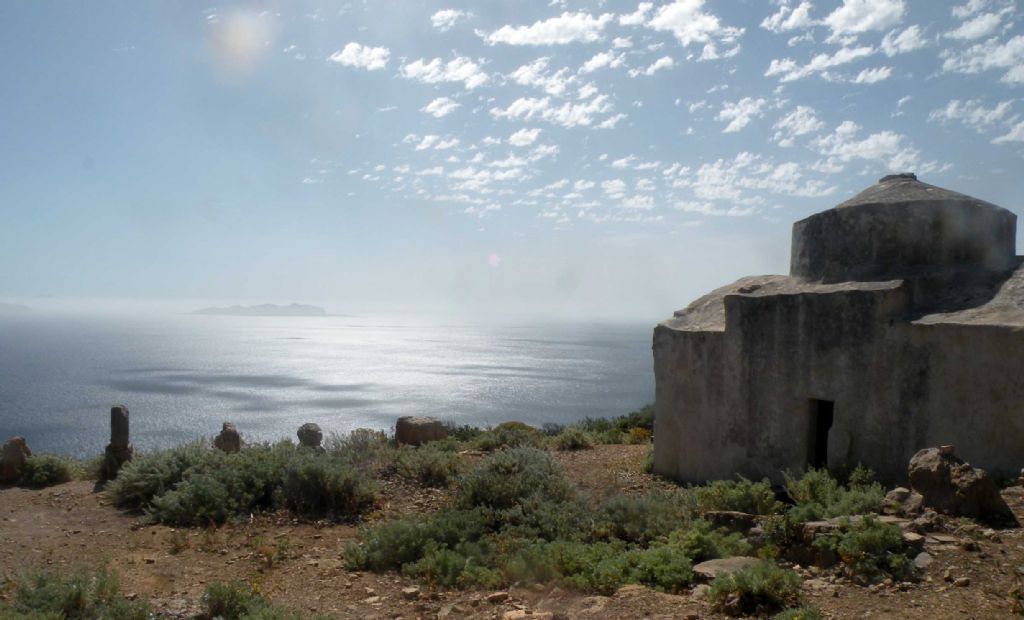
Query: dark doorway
{"type": "Point", "coordinates": [822, 413]}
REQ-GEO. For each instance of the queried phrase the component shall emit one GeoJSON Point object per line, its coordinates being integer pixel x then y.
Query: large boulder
{"type": "Point", "coordinates": [951, 486]}
{"type": "Point", "coordinates": [12, 459]}
{"type": "Point", "coordinates": [228, 440]}
{"type": "Point", "coordinates": [415, 430]}
{"type": "Point", "coordinates": [310, 435]}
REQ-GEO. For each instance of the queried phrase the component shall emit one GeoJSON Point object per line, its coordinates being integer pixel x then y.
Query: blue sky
{"type": "Point", "coordinates": [581, 158]}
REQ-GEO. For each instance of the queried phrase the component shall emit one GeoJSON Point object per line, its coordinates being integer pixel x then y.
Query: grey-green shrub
{"type": "Point", "coordinates": [869, 549]}
{"type": "Point", "coordinates": [237, 601]}
{"type": "Point", "coordinates": [818, 495]}
{"type": "Point", "coordinates": [640, 518]}
{"type": "Point", "coordinates": [758, 590]}
{"type": "Point", "coordinates": [49, 596]}
{"type": "Point", "coordinates": [509, 435]}
{"type": "Point", "coordinates": [153, 474]}
{"type": "Point", "coordinates": [572, 439]}
{"type": "Point", "coordinates": [315, 484]}
{"type": "Point", "coordinates": [740, 495]}
{"type": "Point", "coordinates": [45, 470]}
{"type": "Point", "coordinates": [430, 465]}
{"type": "Point", "coordinates": [507, 478]}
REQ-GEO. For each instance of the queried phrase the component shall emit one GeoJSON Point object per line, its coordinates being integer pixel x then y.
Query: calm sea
{"type": "Point", "coordinates": [181, 376]}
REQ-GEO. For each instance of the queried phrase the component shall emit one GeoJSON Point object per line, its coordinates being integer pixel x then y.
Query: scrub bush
{"type": "Point", "coordinates": [46, 470]}
{"type": "Point", "coordinates": [758, 590]}
{"type": "Point", "coordinates": [740, 495]}
{"type": "Point", "coordinates": [430, 465]}
{"type": "Point", "coordinates": [47, 596]}
{"type": "Point", "coordinates": [870, 550]}
{"type": "Point", "coordinates": [818, 495]}
{"type": "Point", "coordinates": [572, 439]}
{"type": "Point", "coordinates": [510, 477]}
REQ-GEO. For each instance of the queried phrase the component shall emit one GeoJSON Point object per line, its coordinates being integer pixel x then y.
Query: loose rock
{"type": "Point", "coordinates": [951, 486]}
{"type": "Point", "coordinates": [310, 435]}
{"type": "Point", "coordinates": [228, 440]}
{"type": "Point", "coordinates": [413, 430]}
{"type": "Point", "coordinates": [12, 459]}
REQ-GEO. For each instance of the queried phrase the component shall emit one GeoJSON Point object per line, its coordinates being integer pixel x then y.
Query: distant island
{"type": "Point", "coordinates": [266, 310]}
{"type": "Point", "coordinates": [6, 309]}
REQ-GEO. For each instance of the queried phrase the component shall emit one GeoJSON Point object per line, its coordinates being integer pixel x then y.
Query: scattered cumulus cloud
{"type": "Point", "coordinates": [362, 56]}
{"type": "Point", "coordinates": [859, 16]}
{"type": "Point", "coordinates": [791, 70]}
{"type": "Point", "coordinates": [738, 114]}
{"type": "Point", "coordinates": [459, 69]}
{"type": "Point", "coordinates": [689, 23]}
{"type": "Point", "coordinates": [907, 40]}
{"type": "Point", "coordinates": [988, 55]}
{"type": "Point", "coordinates": [602, 60]}
{"type": "Point", "coordinates": [665, 62]}
{"type": "Point", "coordinates": [524, 137]}
{"type": "Point", "coordinates": [566, 28]}
{"type": "Point", "coordinates": [801, 121]}
{"type": "Point", "coordinates": [441, 107]}
{"type": "Point", "coordinates": [870, 76]}
{"type": "Point", "coordinates": [789, 18]}
{"type": "Point", "coordinates": [445, 19]}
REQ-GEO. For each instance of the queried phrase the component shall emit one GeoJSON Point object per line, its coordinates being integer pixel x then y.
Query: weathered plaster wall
{"type": "Point", "coordinates": [738, 401]}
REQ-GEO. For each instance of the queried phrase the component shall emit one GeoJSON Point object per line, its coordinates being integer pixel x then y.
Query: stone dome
{"type": "Point", "coordinates": [900, 228]}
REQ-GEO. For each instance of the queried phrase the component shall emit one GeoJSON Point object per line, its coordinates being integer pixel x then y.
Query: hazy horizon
{"type": "Point", "coordinates": [559, 159]}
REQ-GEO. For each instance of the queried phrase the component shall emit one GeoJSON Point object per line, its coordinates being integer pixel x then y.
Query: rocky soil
{"type": "Point", "coordinates": [973, 572]}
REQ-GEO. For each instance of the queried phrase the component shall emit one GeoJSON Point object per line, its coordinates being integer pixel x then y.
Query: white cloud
{"type": "Point", "coordinates": [980, 26]}
{"type": "Point", "coordinates": [886, 147]}
{"type": "Point", "coordinates": [536, 74]}
{"type": "Point", "coordinates": [362, 56]}
{"type": "Point", "coordinates": [638, 202]}
{"type": "Point", "coordinates": [972, 114]}
{"type": "Point", "coordinates": [790, 70]}
{"type": "Point", "coordinates": [460, 69]}
{"type": "Point", "coordinates": [870, 76]}
{"type": "Point", "coordinates": [615, 188]}
{"type": "Point", "coordinates": [690, 24]}
{"type": "Point", "coordinates": [697, 106]}
{"type": "Point", "coordinates": [1016, 134]}
{"type": "Point", "coordinates": [602, 60]}
{"type": "Point", "coordinates": [789, 18]}
{"type": "Point", "coordinates": [665, 62]}
{"type": "Point", "coordinates": [441, 107]}
{"type": "Point", "coordinates": [799, 122]}
{"type": "Point", "coordinates": [444, 19]}
{"type": "Point", "coordinates": [624, 162]}
{"type": "Point", "coordinates": [859, 16]}
{"type": "Point", "coordinates": [707, 208]}
{"type": "Point", "coordinates": [427, 142]}
{"type": "Point", "coordinates": [611, 121]}
{"type": "Point", "coordinates": [729, 180]}
{"type": "Point", "coordinates": [581, 185]}
{"type": "Point", "coordinates": [566, 28]}
{"type": "Point", "coordinates": [990, 54]}
{"type": "Point", "coordinates": [524, 137]}
{"type": "Point", "coordinates": [970, 8]}
{"type": "Point", "coordinates": [567, 115]}
{"type": "Point", "coordinates": [637, 17]}
{"type": "Point", "coordinates": [906, 41]}
{"type": "Point", "coordinates": [740, 113]}
{"type": "Point", "coordinates": [586, 91]}
{"type": "Point", "coordinates": [622, 42]}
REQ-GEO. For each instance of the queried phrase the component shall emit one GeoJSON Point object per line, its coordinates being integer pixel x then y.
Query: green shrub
{"type": "Point", "coordinates": [818, 495]}
{"type": "Point", "coordinates": [46, 470]}
{"type": "Point", "coordinates": [740, 495]}
{"type": "Point", "coordinates": [237, 601]}
{"type": "Point", "coordinates": [195, 485]}
{"type": "Point", "coordinates": [80, 597]}
{"type": "Point", "coordinates": [430, 465]}
{"type": "Point", "coordinates": [869, 549]}
{"type": "Point", "coordinates": [509, 435]}
{"type": "Point", "coordinates": [463, 432]}
{"type": "Point", "coordinates": [639, 519]}
{"type": "Point", "coordinates": [573, 439]}
{"type": "Point", "coordinates": [510, 477]}
{"type": "Point", "coordinates": [392, 544]}
{"type": "Point", "coordinates": [465, 565]}
{"type": "Point", "coordinates": [315, 484]}
{"type": "Point", "coordinates": [364, 448]}
{"type": "Point", "coordinates": [799, 613]}
{"type": "Point", "coordinates": [758, 590]}
{"type": "Point", "coordinates": [647, 466]}
{"type": "Point", "coordinates": [150, 475]}
{"type": "Point", "coordinates": [699, 541]}
{"type": "Point", "coordinates": [637, 436]}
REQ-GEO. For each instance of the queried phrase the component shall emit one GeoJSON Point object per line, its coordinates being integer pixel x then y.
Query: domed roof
{"type": "Point", "coordinates": [903, 188]}
{"type": "Point", "coordinates": [900, 228]}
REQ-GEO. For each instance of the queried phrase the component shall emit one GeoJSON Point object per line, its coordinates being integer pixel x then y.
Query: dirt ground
{"type": "Point", "coordinates": [69, 527]}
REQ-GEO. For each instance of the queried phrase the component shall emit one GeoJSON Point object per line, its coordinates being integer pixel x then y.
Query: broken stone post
{"type": "Point", "coordinates": [228, 440]}
{"type": "Point", "coordinates": [12, 459]}
{"type": "Point", "coordinates": [310, 435]}
{"type": "Point", "coordinates": [119, 451]}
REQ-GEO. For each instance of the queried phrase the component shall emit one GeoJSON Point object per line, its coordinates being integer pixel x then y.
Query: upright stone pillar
{"type": "Point", "coordinates": [228, 440]}
{"type": "Point", "coordinates": [119, 450]}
